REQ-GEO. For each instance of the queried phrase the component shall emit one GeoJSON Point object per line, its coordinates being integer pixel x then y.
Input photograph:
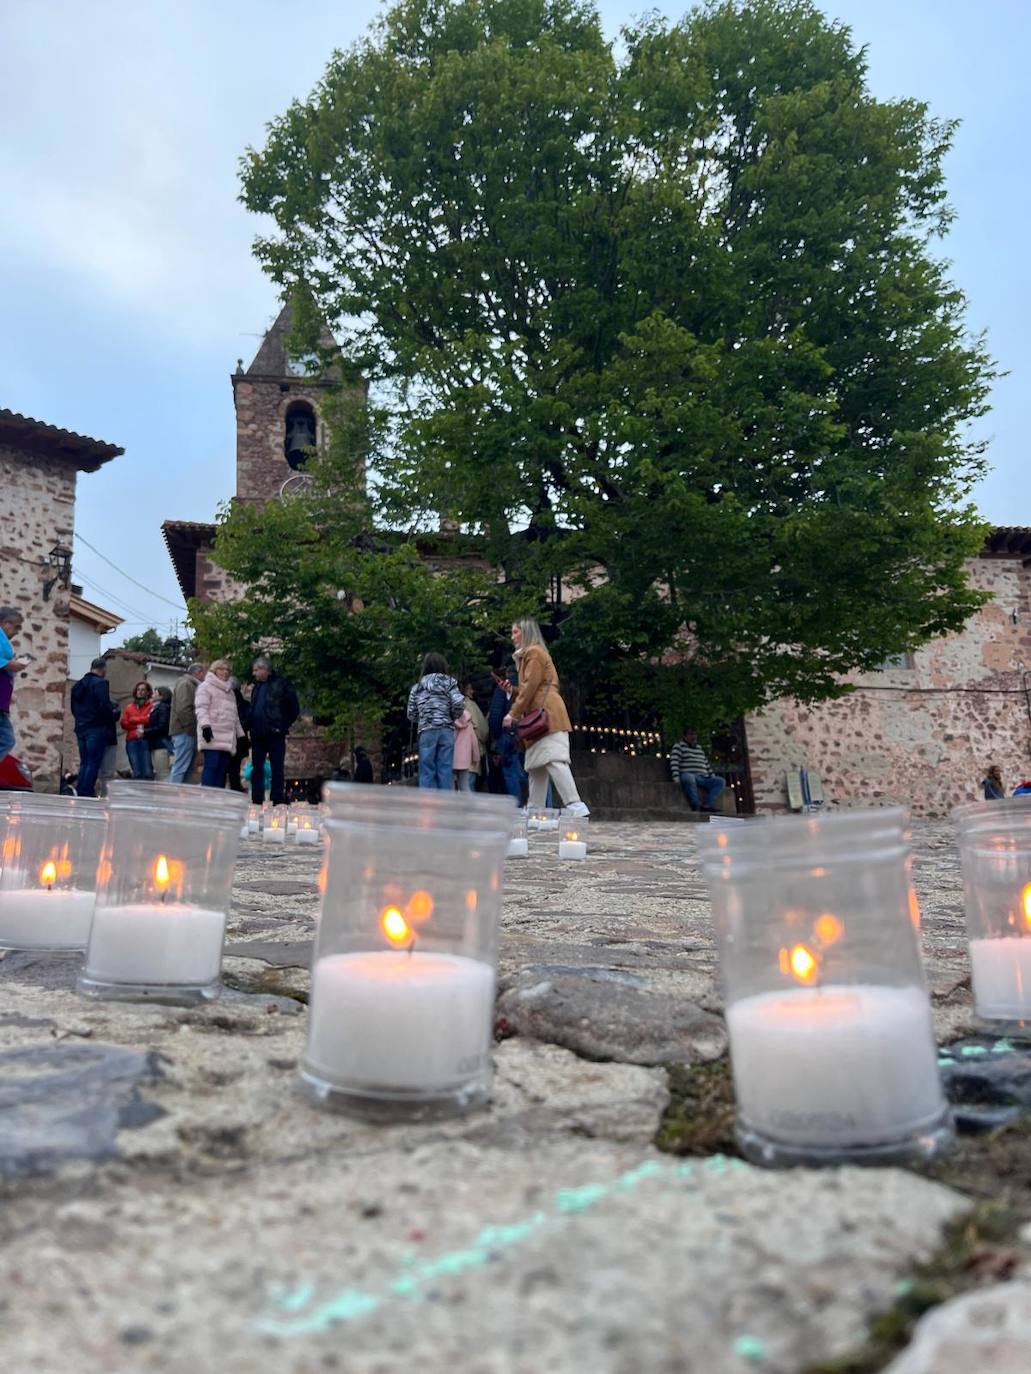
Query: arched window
{"type": "Point", "coordinates": [299, 425]}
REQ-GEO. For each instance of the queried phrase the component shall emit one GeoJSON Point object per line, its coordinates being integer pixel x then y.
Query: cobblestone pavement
{"type": "Point", "coordinates": [172, 1202]}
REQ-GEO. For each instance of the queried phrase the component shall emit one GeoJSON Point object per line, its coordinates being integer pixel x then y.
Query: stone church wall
{"type": "Point", "coordinates": [921, 736]}
{"type": "Point", "coordinates": [39, 512]}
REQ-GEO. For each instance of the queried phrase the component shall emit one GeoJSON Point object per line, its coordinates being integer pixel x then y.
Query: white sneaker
{"type": "Point", "coordinates": [578, 809]}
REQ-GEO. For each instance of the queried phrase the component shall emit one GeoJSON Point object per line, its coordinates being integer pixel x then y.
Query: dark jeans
{"type": "Point", "coordinates": [272, 747]}
{"type": "Point", "coordinates": [6, 735]}
{"type": "Point", "coordinates": [216, 766]}
{"type": "Point", "coordinates": [691, 784]}
{"type": "Point", "coordinates": [92, 744]}
{"type": "Point", "coordinates": [140, 761]}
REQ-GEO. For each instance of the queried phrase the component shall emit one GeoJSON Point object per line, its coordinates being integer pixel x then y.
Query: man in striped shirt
{"type": "Point", "coordinates": [690, 768]}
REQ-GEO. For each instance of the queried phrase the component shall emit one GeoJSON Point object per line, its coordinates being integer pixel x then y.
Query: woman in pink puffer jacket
{"type": "Point", "coordinates": [218, 724]}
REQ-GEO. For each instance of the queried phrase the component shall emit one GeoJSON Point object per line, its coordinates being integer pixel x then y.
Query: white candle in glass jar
{"type": "Point", "coordinates": [306, 836]}
{"type": "Point", "coordinates": [518, 847]}
{"type": "Point", "coordinates": [155, 943]}
{"type": "Point", "coordinates": [1001, 970]}
{"type": "Point", "coordinates": [835, 1065]}
{"type": "Point", "coordinates": [572, 849]}
{"type": "Point", "coordinates": [38, 918]}
{"type": "Point", "coordinates": [274, 835]}
{"type": "Point", "coordinates": [391, 1019]}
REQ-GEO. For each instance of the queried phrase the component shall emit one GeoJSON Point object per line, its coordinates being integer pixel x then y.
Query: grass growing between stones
{"type": "Point", "coordinates": [699, 1119]}
{"type": "Point", "coordinates": [978, 1248]}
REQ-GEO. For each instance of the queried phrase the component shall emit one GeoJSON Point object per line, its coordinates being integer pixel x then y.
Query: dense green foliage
{"type": "Point", "coordinates": [170, 648]}
{"type": "Point", "coordinates": [662, 317]}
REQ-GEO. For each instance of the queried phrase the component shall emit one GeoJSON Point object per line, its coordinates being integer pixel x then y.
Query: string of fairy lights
{"type": "Point", "coordinates": [602, 739]}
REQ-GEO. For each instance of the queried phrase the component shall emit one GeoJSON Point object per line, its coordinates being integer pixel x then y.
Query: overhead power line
{"type": "Point", "coordinates": [121, 571]}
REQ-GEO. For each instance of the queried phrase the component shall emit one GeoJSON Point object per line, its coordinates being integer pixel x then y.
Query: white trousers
{"type": "Point", "coordinates": [561, 778]}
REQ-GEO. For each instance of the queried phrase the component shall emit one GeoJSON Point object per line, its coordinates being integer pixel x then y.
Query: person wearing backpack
{"type": "Point", "coordinates": [434, 704]}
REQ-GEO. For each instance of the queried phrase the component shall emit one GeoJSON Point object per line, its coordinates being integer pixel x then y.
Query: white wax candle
{"type": "Point", "coordinates": [1001, 971]}
{"type": "Point", "coordinates": [835, 1065]}
{"type": "Point", "coordinates": [34, 918]}
{"type": "Point", "coordinates": [277, 836]}
{"type": "Point", "coordinates": [518, 847]}
{"type": "Point", "coordinates": [291, 828]}
{"type": "Point", "coordinates": [307, 837]}
{"type": "Point", "coordinates": [389, 1019]}
{"type": "Point", "coordinates": [572, 849]}
{"type": "Point", "coordinates": [154, 942]}
{"type": "Point", "coordinates": [253, 824]}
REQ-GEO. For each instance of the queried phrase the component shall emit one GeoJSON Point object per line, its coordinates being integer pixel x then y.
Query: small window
{"type": "Point", "coordinates": [895, 661]}
{"type": "Point", "coordinates": [300, 436]}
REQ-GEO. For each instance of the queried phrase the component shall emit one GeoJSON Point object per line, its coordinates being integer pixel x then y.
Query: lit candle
{"type": "Point", "coordinates": [570, 846]}
{"type": "Point", "coordinates": [274, 830]}
{"type": "Point", "coordinates": [839, 1065]}
{"type": "Point", "coordinates": [1001, 970]}
{"type": "Point", "coordinates": [49, 916]}
{"type": "Point", "coordinates": [156, 943]}
{"type": "Point", "coordinates": [399, 1020]}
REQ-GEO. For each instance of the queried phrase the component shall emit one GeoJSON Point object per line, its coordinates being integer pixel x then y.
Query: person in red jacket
{"type": "Point", "coordinates": [134, 723]}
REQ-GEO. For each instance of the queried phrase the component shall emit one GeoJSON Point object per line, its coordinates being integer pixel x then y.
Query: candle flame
{"type": "Point", "coordinates": [802, 962]}
{"type": "Point", "coordinates": [1025, 904]}
{"type": "Point", "coordinates": [471, 899]}
{"type": "Point", "coordinates": [572, 835]}
{"type": "Point", "coordinates": [914, 908]}
{"type": "Point", "coordinates": [162, 873]}
{"type": "Point", "coordinates": [828, 929]}
{"type": "Point", "coordinates": [48, 873]}
{"type": "Point", "coordinates": [395, 927]}
{"type": "Point", "coordinates": [420, 906]}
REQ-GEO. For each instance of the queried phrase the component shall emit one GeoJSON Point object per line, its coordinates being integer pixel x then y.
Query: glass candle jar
{"type": "Point", "coordinates": [304, 821]}
{"type": "Point", "coordinates": [572, 836]}
{"type": "Point", "coordinates": [831, 1041]}
{"type": "Point", "coordinates": [163, 891]}
{"type": "Point", "coordinates": [274, 824]}
{"type": "Point", "coordinates": [51, 847]}
{"type": "Point", "coordinates": [542, 820]}
{"type": "Point", "coordinates": [518, 846]}
{"type": "Point", "coordinates": [400, 1020]}
{"type": "Point", "coordinates": [995, 852]}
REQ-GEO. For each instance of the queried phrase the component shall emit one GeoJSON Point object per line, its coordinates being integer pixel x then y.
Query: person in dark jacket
{"type": "Point", "coordinates": [505, 760]}
{"type": "Point", "coordinates": [274, 708]}
{"type": "Point", "coordinates": [95, 715]}
{"type": "Point", "coordinates": [362, 765]}
{"type": "Point", "coordinates": [243, 745]}
{"type": "Point", "coordinates": [434, 704]}
{"type": "Point", "coordinates": [157, 734]}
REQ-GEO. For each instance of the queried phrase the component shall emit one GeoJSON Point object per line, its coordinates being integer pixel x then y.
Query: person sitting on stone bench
{"type": "Point", "coordinates": [690, 768]}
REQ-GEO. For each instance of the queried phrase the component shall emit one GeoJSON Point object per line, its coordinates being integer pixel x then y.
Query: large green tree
{"type": "Point", "coordinates": [663, 317]}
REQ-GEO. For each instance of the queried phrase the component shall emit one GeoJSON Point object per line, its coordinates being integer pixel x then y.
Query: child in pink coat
{"type": "Point", "coordinates": [466, 763]}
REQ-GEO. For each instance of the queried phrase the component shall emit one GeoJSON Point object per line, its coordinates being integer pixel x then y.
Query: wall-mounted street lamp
{"type": "Point", "coordinates": [59, 563]}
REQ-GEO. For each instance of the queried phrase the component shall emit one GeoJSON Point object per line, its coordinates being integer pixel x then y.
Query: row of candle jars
{"type": "Point", "coordinates": [299, 823]}
{"type": "Point", "coordinates": [139, 883]}
{"type": "Point", "coordinates": [549, 823]}
{"type": "Point", "coordinates": [831, 1040]}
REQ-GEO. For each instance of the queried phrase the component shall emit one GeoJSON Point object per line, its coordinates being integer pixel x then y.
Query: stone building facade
{"type": "Point", "coordinates": [39, 467]}
{"type": "Point", "coordinates": [922, 731]}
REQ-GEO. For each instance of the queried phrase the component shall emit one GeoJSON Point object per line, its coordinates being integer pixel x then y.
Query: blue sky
{"type": "Point", "coordinates": [129, 290]}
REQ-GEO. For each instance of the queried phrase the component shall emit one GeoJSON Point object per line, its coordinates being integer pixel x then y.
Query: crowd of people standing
{"type": "Point", "coordinates": [206, 712]}
{"type": "Point", "coordinates": [453, 731]}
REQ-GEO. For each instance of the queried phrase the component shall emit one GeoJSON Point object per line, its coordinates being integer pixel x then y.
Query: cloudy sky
{"type": "Point", "coordinates": [129, 290]}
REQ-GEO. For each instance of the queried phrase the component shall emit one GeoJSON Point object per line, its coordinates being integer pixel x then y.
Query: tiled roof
{"type": "Point", "coordinates": [183, 538]}
{"type": "Point", "coordinates": [1014, 540]}
{"type": "Point", "coordinates": [34, 436]}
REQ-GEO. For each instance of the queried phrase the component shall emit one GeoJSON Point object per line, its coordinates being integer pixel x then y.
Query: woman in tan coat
{"type": "Point", "coordinates": [547, 757]}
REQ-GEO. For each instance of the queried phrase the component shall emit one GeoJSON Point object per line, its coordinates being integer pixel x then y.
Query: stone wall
{"type": "Point", "coordinates": [923, 735]}
{"type": "Point", "coordinates": [39, 512]}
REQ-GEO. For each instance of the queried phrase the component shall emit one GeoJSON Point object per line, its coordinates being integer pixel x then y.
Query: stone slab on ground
{"type": "Point", "coordinates": [985, 1332]}
{"type": "Point", "coordinates": [449, 1255]}
{"type": "Point", "coordinates": [217, 1220]}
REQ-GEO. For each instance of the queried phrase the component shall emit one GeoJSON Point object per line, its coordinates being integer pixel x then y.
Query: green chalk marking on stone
{"type": "Point", "coordinates": [973, 1051]}
{"type": "Point", "coordinates": [579, 1199]}
{"type": "Point", "coordinates": [414, 1273]}
{"type": "Point", "coordinates": [750, 1348]}
{"type": "Point", "coordinates": [1002, 1047]}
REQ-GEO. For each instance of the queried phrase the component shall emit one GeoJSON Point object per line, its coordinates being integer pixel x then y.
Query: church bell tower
{"type": "Point", "coordinates": [280, 414]}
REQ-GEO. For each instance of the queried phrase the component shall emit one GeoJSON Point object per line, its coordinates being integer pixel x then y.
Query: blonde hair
{"type": "Point", "coordinates": [220, 663]}
{"type": "Point", "coordinates": [531, 633]}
